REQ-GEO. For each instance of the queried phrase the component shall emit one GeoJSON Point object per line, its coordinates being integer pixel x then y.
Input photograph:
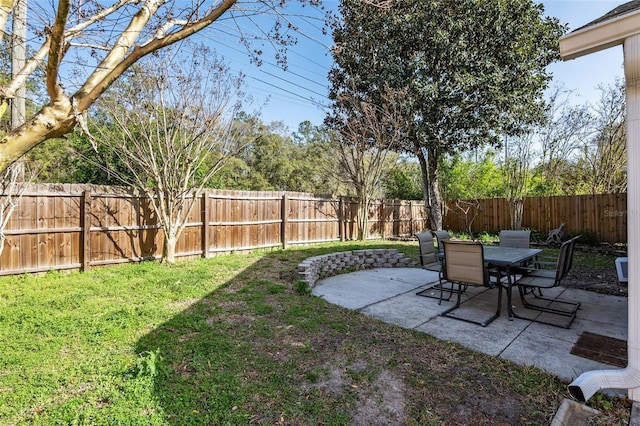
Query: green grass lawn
{"type": "Point", "coordinates": [229, 340]}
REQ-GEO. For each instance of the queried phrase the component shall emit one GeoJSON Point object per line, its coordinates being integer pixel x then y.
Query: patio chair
{"type": "Point", "coordinates": [464, 266]}
{"type": "Point", "coordinates": [535, 280]}
{"type": "Point", "coordinates": [516, 239]}
{"type": "Point", "coordinates": [430, 261]}
{"type": "Point", "coordinates": [428, 258]}
{"type": "Point", "coordinates": [545, 267]}
{"type": "Point", "coordinates": [441, 237]}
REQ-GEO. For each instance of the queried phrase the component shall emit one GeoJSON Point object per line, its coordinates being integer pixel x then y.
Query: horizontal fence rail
{"type": "Point", "coordinates": [57, 227]}
{"type": "Point", "coordinates": [602, 216]}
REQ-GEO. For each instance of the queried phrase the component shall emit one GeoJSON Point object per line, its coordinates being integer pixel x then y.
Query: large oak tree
{"type": "Point", "coordinates": [473, 70]}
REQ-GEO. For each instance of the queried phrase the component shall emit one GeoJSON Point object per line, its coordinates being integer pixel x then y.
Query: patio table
{"type": "Point", "coordinates": [507, 258]}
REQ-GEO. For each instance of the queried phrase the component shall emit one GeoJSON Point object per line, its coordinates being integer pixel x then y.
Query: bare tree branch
{"type": "Point", "coordinates": [131, 21]}
{"type": "Point", "coordinates": [13, 183]}
{"type": "Point", "coordinates": [367, 134]}
{"type": "Point", "coordinates": [56, 51]}
{"type": "Point", "coordinates": [173, 133]}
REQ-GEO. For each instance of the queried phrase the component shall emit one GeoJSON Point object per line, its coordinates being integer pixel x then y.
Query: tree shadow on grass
{"type": "Point", "coordinates": [252, 351]}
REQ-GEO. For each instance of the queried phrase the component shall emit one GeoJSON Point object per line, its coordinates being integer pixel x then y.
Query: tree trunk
{"type": "Point", "coordinates": [425, 187]}
{"type": "Point", "coordinates": [362, 216]}
{"type": "Point", "coordinates": [6, 7]}
{"type": "Point", "coordinates": [516, 209]}
{"type": "Point", "coordinates": [434, 191]}
{"type": "Point", "coordinates": [431, 189]}
{"type": "Point", "coordinates": [169, 248]}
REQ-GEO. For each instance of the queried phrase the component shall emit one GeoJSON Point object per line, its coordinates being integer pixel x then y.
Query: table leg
{"type": "Point", "coordinates": [509, 287]}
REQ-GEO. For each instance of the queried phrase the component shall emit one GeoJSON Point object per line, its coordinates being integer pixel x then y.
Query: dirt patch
{"type": "Point", "coordinates": [380, 402]}
{"type": "Point", "coordinates": [383, 403]}
{"type": "Point", "coordinates": [602, 280]}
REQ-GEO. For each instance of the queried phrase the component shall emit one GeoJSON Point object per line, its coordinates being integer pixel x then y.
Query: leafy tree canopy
{"type": "Point", "coordinates": [473, 70]}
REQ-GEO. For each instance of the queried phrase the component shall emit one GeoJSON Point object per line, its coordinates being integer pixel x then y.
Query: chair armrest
{"type": "Point", "coordinates": [545, 261]}
{"type": "Point", "coordinates": [533, 281]}
{"type": "Point", "coordinates": [497, 273]}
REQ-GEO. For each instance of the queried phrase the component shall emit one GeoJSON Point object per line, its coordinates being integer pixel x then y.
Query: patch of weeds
{"type": "Point", "coordinates": [313, 377]}
{"type": "Point", "coordinates": [339, 326]}
{"type": "Point", "coordinates": [420, 381]}
{"type": "Point", "coordinates": [600, 402]}
{"type": "Point", "coordinates": [258, 283]}
{"type": "Point", "coordinates": [304, 317]}
{"type": "Point", "coordinates": [262, 308]}
{"type": "Point", "coordinates": [309, 325]}
{"type": "Point", "coordinates": [276, 289]}
{"type": "Point", "coordinates": [485, 238]}
{"type": "Point", "coordinates": [264, 330]}
{"type": "Point", "coordinates": [588, 261]}
{"type": "Point", "coordinates": [302, 288]}
{"type": "Point", "coordinates": [392, 362]}
{"type": "Point", "coordinates": [151, 364]}
{"type": "Point", "coordinates": [298, 311]}
{"type": "Point", "coordinates": [461, 235]}
{"type": "Point", "coordinates": [361, 375]}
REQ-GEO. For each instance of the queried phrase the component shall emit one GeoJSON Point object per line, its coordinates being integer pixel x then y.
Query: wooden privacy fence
{"type": "Point", "coordinates": [80, 226]}
{"type": "Point", "coordinates": [604, 216]}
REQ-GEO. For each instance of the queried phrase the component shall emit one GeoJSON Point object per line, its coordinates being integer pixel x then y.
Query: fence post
{"type": "Point", "coordinates": [205, 224]}
{"type": "Point", "coordinates": [85, 225]}
{"type": "Point", "coordinates": [381, 219]}
{"type": "Point", "coordinates": [284, 212]}
{"type": "Point", "coordinates": [341, 219]}
{"type": "Point", "coordinates": [411, 218]}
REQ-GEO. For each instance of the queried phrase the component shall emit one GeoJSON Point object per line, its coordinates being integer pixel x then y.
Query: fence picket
{"type": "Point", "coordinates": [78, 226]}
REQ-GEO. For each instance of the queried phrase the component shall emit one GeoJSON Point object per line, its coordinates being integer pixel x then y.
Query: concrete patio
{"type": "Point", "coordinates": [389, 295]}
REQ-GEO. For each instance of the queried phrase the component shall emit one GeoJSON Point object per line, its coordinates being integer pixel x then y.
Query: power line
{"type": "Point", "coordinates": [277, 66]}
{"type": "Point", "coordinates": [288, 91]}
{"type": "Point", "coordinates": [244, 25]}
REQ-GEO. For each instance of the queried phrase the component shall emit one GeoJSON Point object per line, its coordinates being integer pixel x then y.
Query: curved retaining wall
{"type": "Point", "coordinates": [316, 268]}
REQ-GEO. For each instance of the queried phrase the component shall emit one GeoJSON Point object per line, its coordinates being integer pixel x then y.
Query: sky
{"type": "Point", "coordinates": [299, 93]}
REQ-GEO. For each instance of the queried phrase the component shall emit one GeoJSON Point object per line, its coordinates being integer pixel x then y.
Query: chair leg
{"type": "Point", "coordinates": [482, 323]}
{"type": "Point", "coordinates": [567, 324]}
{"type": "Point", "coordinates": [574, 306]}
{"type": "Point", "coordinates": [570, 313]}
{"type": "Point", "coordinates": [440, 289]}
{"type": "Point", "coordinates": [457, 305]}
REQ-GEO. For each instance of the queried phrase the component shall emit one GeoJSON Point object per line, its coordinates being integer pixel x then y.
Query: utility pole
{"type": "Point", "coordinates": [18, 55]}
{"type": "Point", "coordinates": [18, 59]}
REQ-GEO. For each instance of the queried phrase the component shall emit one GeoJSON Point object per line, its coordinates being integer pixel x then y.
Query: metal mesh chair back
{"type": "Point", "coordinates": [427, 249]}
{"type": "Point", "coordinates": [571, 251]}
{"type": "Point", "coordinates": [441, 237]}
{"type": "Point", "coordinates": [464, 262]}
{"type": "Point", "coordinates": [464, 266]}
{"type": "Point", "coordinates": [516, 239]}
{"type": "Point", "coordinates": [565, 258]}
